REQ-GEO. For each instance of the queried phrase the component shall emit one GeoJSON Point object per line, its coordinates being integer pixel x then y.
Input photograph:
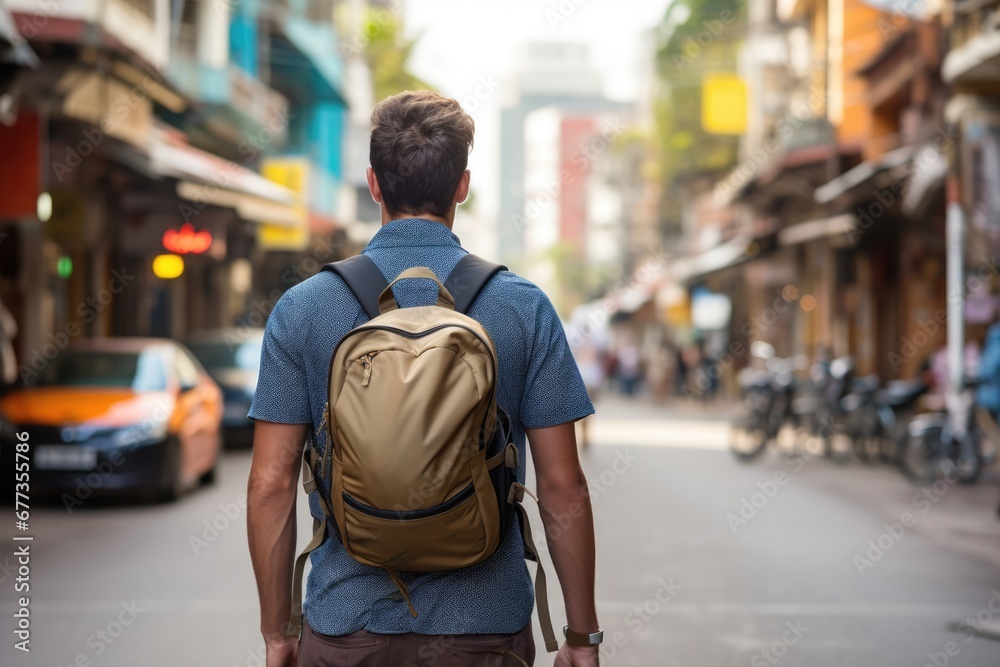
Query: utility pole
{"type": "Point", "coordinates": [955, 249]}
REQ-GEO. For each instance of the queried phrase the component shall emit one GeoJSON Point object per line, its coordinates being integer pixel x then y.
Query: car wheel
{"type": "Point", "coordinates": [209, 477]}
{"type": "Point", "coordinates": [171, 487]}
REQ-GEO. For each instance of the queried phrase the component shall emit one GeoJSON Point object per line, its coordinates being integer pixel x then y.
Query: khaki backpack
{"type": "Point", "coordinates": [419, 469]}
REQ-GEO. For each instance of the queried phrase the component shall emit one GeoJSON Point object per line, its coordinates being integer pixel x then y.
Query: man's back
{"type": "Point", "coordinates": [539, 386]}
{"type": "Point", "coordinates": [356, 614]}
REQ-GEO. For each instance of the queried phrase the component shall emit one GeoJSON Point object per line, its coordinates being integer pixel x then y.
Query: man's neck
{"type": "Point", "coordinates": [389, 217]}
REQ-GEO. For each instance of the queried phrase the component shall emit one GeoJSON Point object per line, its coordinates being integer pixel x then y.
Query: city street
{"type": "Point", "coordinates": [784, 205]}
{"type": "Point", "coordinates": [816, 568]}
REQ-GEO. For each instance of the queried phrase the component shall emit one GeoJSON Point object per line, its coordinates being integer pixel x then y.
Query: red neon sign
{"type": "Point", "coordinates": [187, 241]}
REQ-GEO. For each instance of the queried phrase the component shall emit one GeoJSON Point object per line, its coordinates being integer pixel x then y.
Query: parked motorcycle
{"type": "Point", "coordinates": [827, 423]}
{"type": "Point", "coordinates": [946, 443]}
{"type": "Point", "coordinates": [767, 395]}
{"type": "Point", "coordinates": [860, 412]}
{"type": "Point", "coordinates": [897, 406]}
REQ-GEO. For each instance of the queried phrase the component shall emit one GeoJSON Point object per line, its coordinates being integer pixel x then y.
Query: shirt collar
{"type": "Point", "coordinates": [413, 233]}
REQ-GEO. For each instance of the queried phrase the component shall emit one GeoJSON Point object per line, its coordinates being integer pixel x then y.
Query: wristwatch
{"type": "Point", "coordinates": [581, 639]}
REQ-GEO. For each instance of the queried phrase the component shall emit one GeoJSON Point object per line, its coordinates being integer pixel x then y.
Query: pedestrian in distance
{"type": "Point", "coordinates": [407, 382]}
{"type": "Point", "coordinates": [590, 359]}
{"type": "Point", "coordinates": [630, 368]}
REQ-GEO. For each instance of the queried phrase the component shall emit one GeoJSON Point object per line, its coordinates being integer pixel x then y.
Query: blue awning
{"type": "Point", "coordinates": [306, 65]}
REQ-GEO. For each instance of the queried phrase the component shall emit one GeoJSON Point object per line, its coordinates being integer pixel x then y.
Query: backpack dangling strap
{"type": "Point", "coordinates": [404, 590]}
{"type": "Point", "coordinates": [295, 622]}
{"type": "Point", "coordinates": [468, 279]}
{"type": "Point", "coordinates": [319, 534]}
{"type": "Point", "coordinates": [363, 278]}
{"type": "Point", "coordinates": [517, 492]}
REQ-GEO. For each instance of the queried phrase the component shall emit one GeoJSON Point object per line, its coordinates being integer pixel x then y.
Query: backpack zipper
{"type": "Point", "coordinates": [411, 515]}
{"type": "Point", "coordinates": [366, 364]}
{"type": "Point", "coordinates": [421, 334]}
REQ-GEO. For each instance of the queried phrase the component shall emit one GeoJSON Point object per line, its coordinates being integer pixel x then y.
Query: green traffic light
{"type": "Point", "coordinates": [64, 267]}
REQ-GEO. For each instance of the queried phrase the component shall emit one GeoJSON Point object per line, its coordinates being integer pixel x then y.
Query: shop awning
{"type": "Point", "coordinates": [248, 206]}
{"type": "Point", "coordinates": [735, 184]}
{"type": "Point", "coordinates": [817, 229]}
{"type": "Point", "coordinates": [976, 60]}
{"type": "Point", "coordinates": [305, 60]}
{"type": "Point", "coordinates": [863, 173]}
{"type": "Point", "coordinates": [629, 301]}
{"type": "Point", "coordinates": [720, 257]}
{"type": "Point", "coordinates": [803, 155]}
{"type": "Point", "coordinates": [930, 168]}
{"type": "Point", "coordinates": [634, 299]}
{"type": "Point", "coordinates": [18, 52]}
{"type": "Point", "coordinates": [209, 179]}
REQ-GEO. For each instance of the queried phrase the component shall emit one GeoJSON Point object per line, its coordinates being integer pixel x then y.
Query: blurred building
{"type": "Point", "coordinates": [574, 238]}
{"type": "Point", "coordinates": [208, 132]}
{"type": "Point", "coordinates": [548, 74]}
{"type": "Point", "coordinates": [827, 235]}
{"type": "Point", "coordinates": [891, 291]}
{"type": "Point", "coordinates": [361, 213]}
{"type": "Point", "coordinates": [972, 68]}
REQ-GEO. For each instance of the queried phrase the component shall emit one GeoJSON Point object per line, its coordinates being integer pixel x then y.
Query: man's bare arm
{"type": "Point", "coordinates": [564, 502]}
{"type": "Point", "coordinates": [271, 494]}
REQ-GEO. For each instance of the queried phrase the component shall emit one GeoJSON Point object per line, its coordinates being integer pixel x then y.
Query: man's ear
{"type": "Point", "coordinates": [373, 186]}
{"type": "Point", "coordinates": [462, 191]}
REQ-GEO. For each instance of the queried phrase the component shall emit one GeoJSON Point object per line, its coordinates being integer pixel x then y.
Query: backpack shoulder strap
{"type": "Point", "coordinates": [468, 278]}
{"type": "Point", "coordinates": [363, 278]}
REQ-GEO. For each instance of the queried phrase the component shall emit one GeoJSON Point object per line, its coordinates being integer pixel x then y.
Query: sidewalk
{"type": "Point", "coordinates": [639, 422]}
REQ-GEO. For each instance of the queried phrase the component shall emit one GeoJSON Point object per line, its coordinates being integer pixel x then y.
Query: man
{"type": "Point", "coordinates": [354, 614]}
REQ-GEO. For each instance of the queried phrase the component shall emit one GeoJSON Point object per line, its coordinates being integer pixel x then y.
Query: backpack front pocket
{"type": "Point", "coordinates": [441, 537]}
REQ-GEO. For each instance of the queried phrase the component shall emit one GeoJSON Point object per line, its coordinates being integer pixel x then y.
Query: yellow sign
{"type": "Point", "coordinates": [723, 104]}
{"type": "Point", "coordinates": [293, 173]}
{"type": "Point", "coordinates": [168, 267]}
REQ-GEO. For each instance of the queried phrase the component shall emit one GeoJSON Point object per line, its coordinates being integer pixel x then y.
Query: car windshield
{"type": "Point", "coordinates": [222, 355]}
{"type": "Point", "coordinates": [139, 371]}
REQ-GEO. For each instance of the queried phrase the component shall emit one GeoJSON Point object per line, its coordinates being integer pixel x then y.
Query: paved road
{"type": "Point", "coordinates": [685, 578]}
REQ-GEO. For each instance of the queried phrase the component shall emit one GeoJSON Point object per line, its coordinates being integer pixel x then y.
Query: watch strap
{"type": "Point", "coordinates": [581, 638]}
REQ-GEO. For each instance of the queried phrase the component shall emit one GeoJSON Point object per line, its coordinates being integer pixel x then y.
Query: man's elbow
{"type": "Point", "coordinates": [267, 487]}
{"type": "Point", "coordinates": [569, 484]}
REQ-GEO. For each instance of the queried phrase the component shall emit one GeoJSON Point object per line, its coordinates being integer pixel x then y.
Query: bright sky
{"type": "Point", "coordinates": [463, 42]}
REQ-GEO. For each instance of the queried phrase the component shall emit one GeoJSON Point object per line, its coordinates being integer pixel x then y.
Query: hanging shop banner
{"type": "Point", "coordinates": [293, 173]}
{"type": "Point", "coordinates": [19, 168]}
{"type": "Point", "coordinates": [723, 104]}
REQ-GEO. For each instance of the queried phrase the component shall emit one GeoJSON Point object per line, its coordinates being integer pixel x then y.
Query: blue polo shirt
{"type": "Point", "coordinates": [539, 386]}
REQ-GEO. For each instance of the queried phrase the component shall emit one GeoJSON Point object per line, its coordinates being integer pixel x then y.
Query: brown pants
{"type": "Point", "coordinates": [366, 649]}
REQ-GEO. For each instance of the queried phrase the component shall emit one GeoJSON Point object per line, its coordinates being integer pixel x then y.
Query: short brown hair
{"type": "Point", "coordinates": [419, 150]}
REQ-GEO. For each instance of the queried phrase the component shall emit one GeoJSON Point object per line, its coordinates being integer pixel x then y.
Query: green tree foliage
{"type": "Point", "coordinates": [387, 52]}
{"type": "Point", "coordinates": [698, 37]}
{"type": "Point", "coordinates": [579, 281]}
